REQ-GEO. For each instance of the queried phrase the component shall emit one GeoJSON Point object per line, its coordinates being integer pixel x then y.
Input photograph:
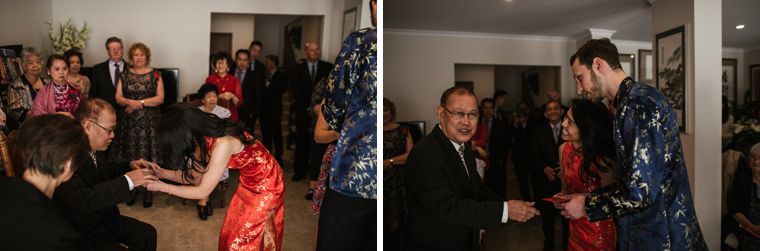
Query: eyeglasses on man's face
{"type": "Point", "coordinates": [107, 131]}
{"type": "Point", "coordinates": [115, 49]}
{"type": "Point", "coordinates": [461, 115]}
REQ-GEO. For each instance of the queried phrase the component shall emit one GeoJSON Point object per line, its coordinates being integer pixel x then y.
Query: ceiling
{"type": "Point", "coordinates": [631, 19]}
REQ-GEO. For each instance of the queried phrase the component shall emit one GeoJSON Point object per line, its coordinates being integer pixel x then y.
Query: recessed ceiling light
{"type": "Point", "coordinates": [739, 27]}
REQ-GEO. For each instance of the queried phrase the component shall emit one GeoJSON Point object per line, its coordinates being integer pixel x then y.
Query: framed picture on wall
{"type": "Point", "coordinates": [728, 79]}
{"type": "Point", "coordinates": [671, 76]}
{"type": "Point", "coordinates": [628, 63]}
{"type": "Point", "coordinates": [754, 81]}
{"type": "Point", "coordinates": [349, 22]}
{"type": "Point", "coordinates": [646, 65]}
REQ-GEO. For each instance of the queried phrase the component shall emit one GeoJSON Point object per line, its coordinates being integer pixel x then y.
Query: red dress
{"type": "Point", "coordinates": [228, 83]}
{"type": "Point", "coordinates": [258, 198]}
{"type": "Point", "coordinates": [585, 235]}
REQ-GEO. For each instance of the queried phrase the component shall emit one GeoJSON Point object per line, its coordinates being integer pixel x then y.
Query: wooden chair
{"type": "Point", "coordinates": [5, 155]}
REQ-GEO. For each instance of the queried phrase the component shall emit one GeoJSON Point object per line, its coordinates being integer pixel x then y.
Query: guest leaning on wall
{"type": "Point", "coordinates": [31, 221]}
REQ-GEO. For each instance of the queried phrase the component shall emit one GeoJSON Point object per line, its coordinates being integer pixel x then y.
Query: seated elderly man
{"type": "Point", "coordinates": [92, 193]}
{"type": "Point", "coordinates": [744, 203]}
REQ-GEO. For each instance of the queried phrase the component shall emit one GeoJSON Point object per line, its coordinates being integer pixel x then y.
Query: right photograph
{"type": "Point", "coordinates": [556, 125]}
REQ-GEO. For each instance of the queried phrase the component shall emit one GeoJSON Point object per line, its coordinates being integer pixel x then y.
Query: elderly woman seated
{"type": "Point", "coordinates": [31, 221]}
{"type": "Point", "coordinates": [744, 201]}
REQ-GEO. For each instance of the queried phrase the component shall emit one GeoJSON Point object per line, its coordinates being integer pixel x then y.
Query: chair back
{"type": "Point", "coordinates": [5, 155]}
{"type": "Point", "coordinates": [416, 129]}
{"type": "Point", "coordinates": [191, 99]}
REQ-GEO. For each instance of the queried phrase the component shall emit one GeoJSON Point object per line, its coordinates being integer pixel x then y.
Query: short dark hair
{"type": "Point", "coordinates": [73, 52]}
{"type": "Point", "coordinates": [482, 102]}
{"type": "Point", "coordinates": [550, 101]}
{"type": "Point", "coordinates": [499, 93]}
{"type": "Point", "coordinates": [458, 90]}
{"type": "Point", "coordinates": [219, 56]}
{"type": "Point", "coordinates": [54, 57]}
{"type": "Point", "coordinates": [48, 141]}
{"type": "Point", "coordinates": [113, 39]}
{"type": "Point", "coordinates": [597, 48]}
{"type": "Point", "coordinates": [256, 42]}
{"type": "Point", "coordinates": [274, 59]}
{"type": "Point", "coordinates": [244, 51]}
{"type": "Point", "coordinates": [206, 88]}
{"type": "Point", "coordinates": [92, 108]}
{"type": "Point", "coordinates": [391, 107]}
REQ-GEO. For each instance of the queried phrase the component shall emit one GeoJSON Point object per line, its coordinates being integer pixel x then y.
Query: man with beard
{"type": "Point", "coordinates": [97, 186]}
{"type": "Point", "coordinates": [651, 198]}
{"type": "Point", "coordinates": [447, 202]}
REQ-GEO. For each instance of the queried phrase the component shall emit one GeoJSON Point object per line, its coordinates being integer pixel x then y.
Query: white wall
{"type": "Point", "coordinates": [482, 77]}
{"type": "Point", "coordinates": [23, 22]}
{"type": "Point", "coordinates": [176, 31]}
{"type": "Point", "coordinates": [240, 25]}
{"type": "Point", "coordinates": [508, 78]}
{"type": "Point", "coordinates": [270, 30]}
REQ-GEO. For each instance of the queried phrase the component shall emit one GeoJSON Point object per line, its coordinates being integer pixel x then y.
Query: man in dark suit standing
{"type": "Point", "coordinates": [105, 75]}
{"type": "Point", "coordinates": [546, 183]}
{"type": "Point", "coordinates": [305, 75]}
{"type": "Point", "coordinates": [499, 98]}
{"type": "Point", "coordinates": [497, 147]}
{"type": "Point", "coordinates": [271, 107]}
{"type": "Point", "coordinates": [252, 85]}
{"type": "Point", "coordinates": [97, 186]}
{"type": "Point", "coordinates": [447, 202]}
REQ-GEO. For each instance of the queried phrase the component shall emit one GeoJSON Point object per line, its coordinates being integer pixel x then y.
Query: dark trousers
{"type": "Point", "coordinates": [347, 223]}
{"type": "Point", "coordinates": [271, 130]}
{"type": "Point", "coordinates": [543, 188]}
{"type": "Point", "coordinates": [137, 235]}
{"type": "Point", "coordinates": [496, 179]}
{"type": "Point", "coordinates": [303, 143]}
{"type": "Point", "coordinates": [248, 118]}
{"type": "Point", "coordinates": [522, 172]}
{"type": "Point", "coordinates": [316, 156]}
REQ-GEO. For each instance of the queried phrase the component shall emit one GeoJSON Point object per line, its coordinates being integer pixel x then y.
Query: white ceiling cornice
{"type": "Point", "coordinates": [475, 35]}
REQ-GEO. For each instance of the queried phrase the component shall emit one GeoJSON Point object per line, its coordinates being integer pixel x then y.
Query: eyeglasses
{"type": "Point", "coordinates": [107, 131]}
{"type": "Point", "coordinates": [115, 49]}
{"type": "Point", "coordinates": [221, 62]}
{"type": "Point", "coordinates": [461, 115]}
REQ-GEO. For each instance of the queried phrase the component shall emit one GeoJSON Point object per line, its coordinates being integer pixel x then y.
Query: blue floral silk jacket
{"type": "Point", "coordinates": [651, 198]}
{"type": "Point", "coordinates": [351, 109]}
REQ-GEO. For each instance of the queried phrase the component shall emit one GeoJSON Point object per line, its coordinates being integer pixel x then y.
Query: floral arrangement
{"type": "Point", "coordinates": [746, 134]}
{"type": "Point", "coordinates": [70, 37]}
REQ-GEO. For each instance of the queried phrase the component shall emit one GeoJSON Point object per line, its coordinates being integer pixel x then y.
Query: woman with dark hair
{"type": "Point", "coordinates": [727, 122]}
{"type": "Point", "coordinates": [141, 90]}
{"type": "Point", "coordinates": [60, 95]}
{"type": "Point", "coordinates": [254, 218]}
{"type": "Point", "coordinates": [31, 220]}
{"type": "Point", "coordinates": [230, 92]}
{"type": "Point", "coordinates": [75, 61]}
{"type": "Point", "coordinates": [587, 159]}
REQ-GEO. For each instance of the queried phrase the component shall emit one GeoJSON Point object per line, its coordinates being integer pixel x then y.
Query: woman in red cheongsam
{"type": "Point", "coordinates": [254, 219]}
{"type": "Point", "coordinates": [587, 159]}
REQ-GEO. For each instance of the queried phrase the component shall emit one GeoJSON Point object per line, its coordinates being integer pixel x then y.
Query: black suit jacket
{"type": "Point", "coordinates": [546, 153]}
{"type": "Point", "coordinates": [31, 221]}
{"type": "Point", "coordinates": [523, 138]}
{"type": "Point", "coordinates": [102, 86]}
{"type": "Point", "coordinates": [91, 196]}
{"type": "Point", "coordinates": [272, 103]}
{"type": "Point", "coordinates": [301, 84]}
{"type": "Point", "coordinates": [499, 142]}
{"type": "Point", "coordinates": [446, 208]}
{"type": "Point", "coordinates": [253, 90]}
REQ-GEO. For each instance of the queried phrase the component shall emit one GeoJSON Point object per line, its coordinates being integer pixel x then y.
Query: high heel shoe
{"type": "Point", "coordinates": [201, 213]}
{"type": "Point", "coordinates": [132, 197]}
{"type": "Point", "coordinates": [209, 209]}
{"type": "Point", "coordinates": [146, 203]}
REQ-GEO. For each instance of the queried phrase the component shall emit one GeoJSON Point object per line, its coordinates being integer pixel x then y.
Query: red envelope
{"type": "Point", "coordinates": [555, 200]}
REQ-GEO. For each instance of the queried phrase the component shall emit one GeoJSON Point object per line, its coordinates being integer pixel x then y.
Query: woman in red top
{"type": "Point", "coordinates": [230, 92]}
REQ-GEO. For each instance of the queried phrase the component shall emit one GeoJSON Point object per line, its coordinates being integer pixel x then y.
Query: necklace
{"type": "Point", "coordinates": [55, 87]}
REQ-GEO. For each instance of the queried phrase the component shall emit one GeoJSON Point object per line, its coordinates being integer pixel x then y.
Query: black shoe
{"type": "Point", "coordinates": [297, 177]}
{"type": "Point", "coordinates": [310, 194]}
{"type": "Point", "coordinates": [209, 210]}
{"type": "Point", "coordinates": [202, 215]}
{"type": "Point", "coordinates": [132, 197]}
{"type": "Point", "coordinates": [146, 203]}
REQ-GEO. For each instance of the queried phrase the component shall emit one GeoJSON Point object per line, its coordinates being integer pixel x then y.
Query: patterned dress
{"type": "Point", "coordinates": [259, 198]}
{"type": "Point", "coordinates": [228, 83]}
{"type": "Point", "coordinates": [324, 175]}
{"type": "Point", "coordinates": [394, 202]}
{"type": "Point", "coordinates": [585, 235]}
{"type": "Point", "coordinates": [136, 132]}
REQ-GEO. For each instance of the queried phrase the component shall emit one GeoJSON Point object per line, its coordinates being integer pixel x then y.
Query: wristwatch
{"type": "Point", "coordinates": [142, 101]}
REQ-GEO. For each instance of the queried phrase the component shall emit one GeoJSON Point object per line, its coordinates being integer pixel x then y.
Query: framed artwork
{"type": "Point", "coordinates": [628, 63]}
{"type": "Point", "coordinates": [754, 81]}
{"type": "Point", "coordinates": [728, 79]}
{"type": "Point", "coordinates": [349, 22]}
{"type": "Point", "coordinates": [646, 66]}
{"type": "Point", "coordinates": [294, 32]}
{"type": "Point", "coordinates": [671, 75]}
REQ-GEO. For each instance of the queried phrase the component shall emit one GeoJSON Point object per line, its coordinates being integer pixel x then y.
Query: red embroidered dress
{"type": "Point", "coordinates": [258, 198]}
{"type": "Point", "coordinates": [228, 83]}
{"type": "Point", "coordinates": [585, 235]}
